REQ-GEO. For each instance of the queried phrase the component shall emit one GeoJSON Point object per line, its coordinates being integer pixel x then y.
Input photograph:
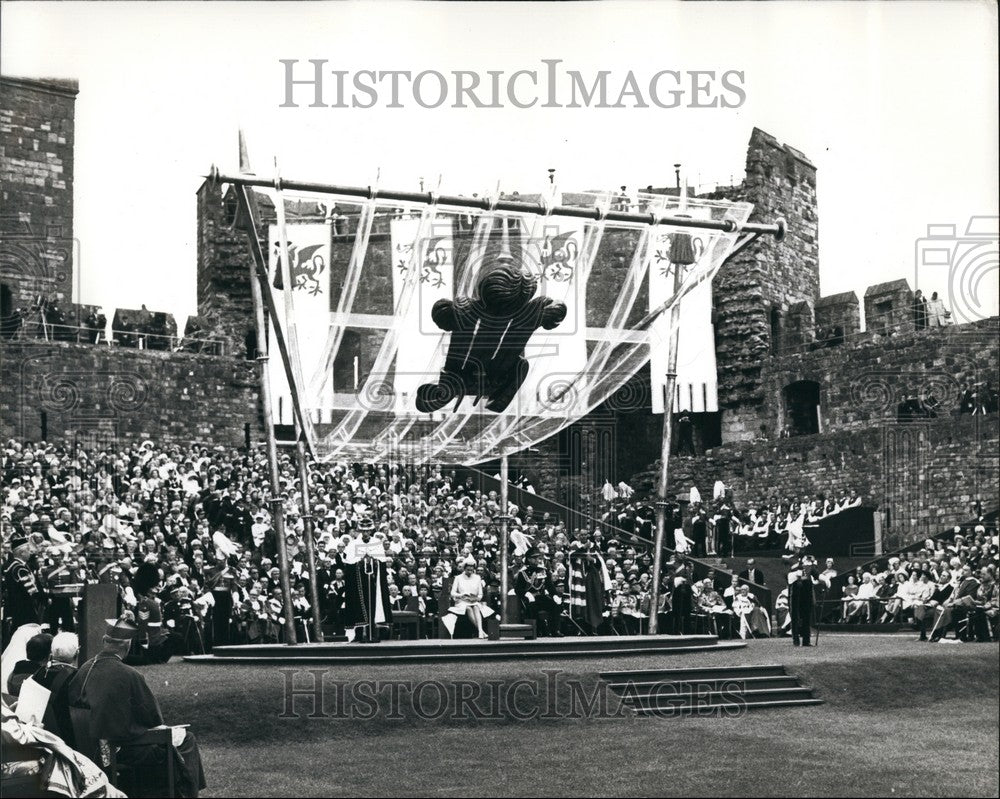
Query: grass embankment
{"type": "Point", "coordinates": [900, 718]}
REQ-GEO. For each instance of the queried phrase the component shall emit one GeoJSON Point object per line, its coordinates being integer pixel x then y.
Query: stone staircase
{"type": "Point", "coordinates": [708, 691]}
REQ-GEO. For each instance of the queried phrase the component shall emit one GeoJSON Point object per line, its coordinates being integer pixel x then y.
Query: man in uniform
{"type": "Point", "coordinates": [21, 593]}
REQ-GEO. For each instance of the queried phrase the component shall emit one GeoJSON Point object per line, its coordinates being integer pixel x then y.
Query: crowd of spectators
{"type": "Point", "coordinates": [46, 319]}
{"type": "Point", "coordinates": [200, 520]}
{"type": "Point", "coordinates": [137, 329]}
{"type": "Point", "coordinates": [721, 526]}
{"type": "Point", "coordinates": [190, 530]}
{"type": "Point", "coordinates": [948, 584]}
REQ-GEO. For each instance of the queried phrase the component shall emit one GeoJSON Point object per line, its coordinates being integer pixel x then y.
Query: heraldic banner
{"type": "Point", "coordinates": [421, 350]}
{"type": "Point", "coordinates": [696, 372]}
{"type": "Point", "coordinates": [556, 356]}
{"type": "Point", "coordinates": [309, 264]}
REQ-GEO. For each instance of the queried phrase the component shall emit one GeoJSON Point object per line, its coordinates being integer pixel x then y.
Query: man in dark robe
{"type": "Point", "coordinates": [699, 533]}
{"type": "Point", "coordinates": [121, 709]}
{"type": "Point", "coordinates": [682, 603]}
{"type": "Point", "coordinates": [801, 599]}
{"type": "Point", "coordinates": [366, 593]}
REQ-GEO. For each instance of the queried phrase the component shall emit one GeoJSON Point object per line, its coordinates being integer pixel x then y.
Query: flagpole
{"type": "Point", "coordinates": [504, 533]}
{"type": "Point", "coordinates": [661, 502]}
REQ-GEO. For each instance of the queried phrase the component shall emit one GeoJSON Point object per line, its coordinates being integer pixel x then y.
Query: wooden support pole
{"type": "Point", "coordinates": [277, 507]}
{"type": "Point", "coordinates": [309, 537]}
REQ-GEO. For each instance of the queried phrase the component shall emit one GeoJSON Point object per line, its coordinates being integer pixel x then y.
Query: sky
{"type": "Point", "coordinates": [895, 103]}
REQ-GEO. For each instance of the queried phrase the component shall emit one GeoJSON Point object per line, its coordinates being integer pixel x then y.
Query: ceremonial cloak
{"type": "Point", "coordinates": [366, 595]}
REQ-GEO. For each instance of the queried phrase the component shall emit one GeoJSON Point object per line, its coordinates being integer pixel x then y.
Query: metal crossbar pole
{"type": "Point", "coordinates": [511, 206]}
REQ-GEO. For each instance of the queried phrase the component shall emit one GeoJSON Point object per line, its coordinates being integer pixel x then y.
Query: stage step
{"type": "Point", "coordinates": [703, 673]}
{"type": "Point", "coordinates": [524, 632]}
{"type": "Point", "coordinates": [724, 709]}
{"type": "Point", "coordinates": [866, 628]}
{"type": "Point", "coordinates": [650, 687]}
{"type": "Point", "coordinates": [462, 650]}
{"type": "Point", "coordinates": [723, 690]}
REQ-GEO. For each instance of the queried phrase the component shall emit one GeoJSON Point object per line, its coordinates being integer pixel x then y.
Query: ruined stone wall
{"type": "Point", "coordinates": [225, 304]}
{"type": "Point", "coordinates": [125, 395]}
{"type": "Point", "coordinates": [36, 176]}
{"type": "Point", "coordinates": [863, 382]}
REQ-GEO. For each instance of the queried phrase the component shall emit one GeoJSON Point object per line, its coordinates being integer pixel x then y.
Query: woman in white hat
{"type": "Point", "coordinates": [467, 592]}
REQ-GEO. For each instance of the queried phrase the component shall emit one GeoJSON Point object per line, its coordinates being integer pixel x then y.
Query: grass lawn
{"type": "Point", "coordinates": [901, 718]}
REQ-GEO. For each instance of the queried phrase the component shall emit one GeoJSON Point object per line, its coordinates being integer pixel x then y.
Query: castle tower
{"type": "Point", "coordinates": [754, 292]}
{"type": "Point", "coordinates": [225, 304]}
{"type": "Point", "coordinates": [36, 173]}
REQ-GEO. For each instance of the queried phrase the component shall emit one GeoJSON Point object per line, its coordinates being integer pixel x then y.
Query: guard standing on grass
{"type": "Point", "coordinates": [802, 580]}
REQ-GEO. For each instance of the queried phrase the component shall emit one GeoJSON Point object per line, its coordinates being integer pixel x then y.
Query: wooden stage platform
{"type": "Point", "coordinates": [432, 650]}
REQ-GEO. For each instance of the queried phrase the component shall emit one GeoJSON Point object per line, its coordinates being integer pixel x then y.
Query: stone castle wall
{"type": "Point", "coordinates": [126, 395]}
{"type": "Point", "coordinates": [767, 277]}
{"type": "Point", "coordinates": [36, 176]}
{"type": "Point", "coordinates": [862, 383]}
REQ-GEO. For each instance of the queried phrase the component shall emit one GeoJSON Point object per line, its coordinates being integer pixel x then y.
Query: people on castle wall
{"type": "Point", "coordinates": [144, 329]}
{"type": "Point", "coordinates": [978, 399]}
{"type": "Point", "coordinates": [937, 314]}
{"type": "Point", "coordinates": [94, 324]}
{"type": "Point", "coordinates": [919, 310]}
{"type": "Point", "coordinates": [828, 336]}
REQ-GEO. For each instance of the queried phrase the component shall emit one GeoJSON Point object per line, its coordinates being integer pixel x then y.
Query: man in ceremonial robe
{"type": "Point", "coordinates": [366, 594]}
{"type": "Point", "coordinates": [801, 599]}
{"type": "Point", "coordinates": [121, 709]}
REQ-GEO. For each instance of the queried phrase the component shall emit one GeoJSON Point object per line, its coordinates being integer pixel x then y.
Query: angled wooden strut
{"type": "Point", "coordinates": [251, 216]}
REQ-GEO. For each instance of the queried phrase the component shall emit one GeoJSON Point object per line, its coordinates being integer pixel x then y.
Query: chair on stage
{"type": "Point", "coordinates": [405, 625]}
{"type": "Point", "coordinates": [702, 624]}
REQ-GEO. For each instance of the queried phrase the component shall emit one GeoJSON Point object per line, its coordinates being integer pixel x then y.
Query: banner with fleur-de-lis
{"type": "Point", "coordinates": [420, 355]}
{"type": "Point", "coordinates": [696, 385]}
{"type": "Point", "coordinates": [555, 253]}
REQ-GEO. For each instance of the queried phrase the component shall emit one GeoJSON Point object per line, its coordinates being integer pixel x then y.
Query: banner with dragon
{"type": "Point", "coordinates": [309, 265]}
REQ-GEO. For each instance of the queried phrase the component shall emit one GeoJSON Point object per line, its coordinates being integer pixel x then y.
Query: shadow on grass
{"type": "Point", "coordinates": [241, 705]}
{"type": "Point", "coordinates": [877, 684]}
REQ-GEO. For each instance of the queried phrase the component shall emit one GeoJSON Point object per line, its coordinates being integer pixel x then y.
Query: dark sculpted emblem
{"type": "Point", "coordinates": [488, 334]}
